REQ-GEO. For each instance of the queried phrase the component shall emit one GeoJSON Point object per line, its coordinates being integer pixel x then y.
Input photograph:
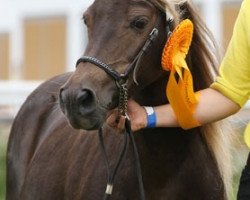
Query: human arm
{"type": "Point", "coordinates": [225, 97]}
{"type": "Point", "coordinates": [213, 106]}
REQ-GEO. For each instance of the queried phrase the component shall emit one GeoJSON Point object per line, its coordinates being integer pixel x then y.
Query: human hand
{"type": "Point", "coordinates": [136, 113]}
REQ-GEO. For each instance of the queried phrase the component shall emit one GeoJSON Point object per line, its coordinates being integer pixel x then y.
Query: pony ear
{"type": "Point", "coordinates": [172, 14]}
{"type": "Point", "coordinates": [183, 9]}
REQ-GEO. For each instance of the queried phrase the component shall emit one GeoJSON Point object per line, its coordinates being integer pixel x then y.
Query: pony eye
{"type": "Point", "coordinates": [139, 23]}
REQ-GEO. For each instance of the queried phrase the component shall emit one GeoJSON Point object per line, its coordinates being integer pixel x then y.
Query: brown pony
{"type": "Point", "coordinates": [56, 155]}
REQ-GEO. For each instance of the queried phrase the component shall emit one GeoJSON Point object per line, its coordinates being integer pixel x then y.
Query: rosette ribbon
{"type": "Point", "coordinates": [179, 90]}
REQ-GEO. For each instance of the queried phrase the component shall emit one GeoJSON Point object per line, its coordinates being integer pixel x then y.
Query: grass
{"type": "Point", "coordinates": [2, 171]}
{"type": "Point", "coordinates": [236, 180]}
{"type": "Point", "coordinates": [4, 130]}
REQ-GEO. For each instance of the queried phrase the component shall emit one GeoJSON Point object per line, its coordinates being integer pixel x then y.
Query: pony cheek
{"type": "Point", "coordinates": [145, 78]}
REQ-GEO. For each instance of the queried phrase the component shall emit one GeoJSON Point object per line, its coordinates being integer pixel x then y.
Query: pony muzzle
{"type": "Point", "coordinates": [81, 108]}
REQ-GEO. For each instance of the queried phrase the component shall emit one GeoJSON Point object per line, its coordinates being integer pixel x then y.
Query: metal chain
{"type": "Point", "coordinates": [123, 99]}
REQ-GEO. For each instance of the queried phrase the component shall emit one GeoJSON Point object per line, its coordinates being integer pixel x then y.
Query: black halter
{"type": "Point", "coordinates": [121, 82]}
{"type": "Point", "coordinates": [113, 73]}
{"type": "Point", "coordinates": [121, 79]}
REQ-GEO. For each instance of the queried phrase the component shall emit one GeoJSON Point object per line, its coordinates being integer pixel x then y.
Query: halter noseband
{"type": "Point", "coordinates": [121, 79]}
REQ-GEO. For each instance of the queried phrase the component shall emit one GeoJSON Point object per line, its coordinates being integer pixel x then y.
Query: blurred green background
{"type": "Point", "coordinates": [4, 132]}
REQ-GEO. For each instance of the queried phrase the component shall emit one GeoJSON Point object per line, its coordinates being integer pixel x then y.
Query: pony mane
{"type": "Point", "coordinates": [203, 60]}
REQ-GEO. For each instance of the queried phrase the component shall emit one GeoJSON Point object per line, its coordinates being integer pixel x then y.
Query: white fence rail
{"type": "Point", "coordinates": [12, 96]}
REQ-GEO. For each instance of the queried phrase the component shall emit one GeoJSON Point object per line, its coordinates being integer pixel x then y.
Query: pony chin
{"type": "Point", "coordinates": [86, 124]}
{"type": "Point", "coordinates": [92, 122]}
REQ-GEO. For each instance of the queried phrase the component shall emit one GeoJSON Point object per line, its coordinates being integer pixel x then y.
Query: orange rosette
{"type": "Point", "coordinates": [179, 90]}
{"type": "Point", "coordinates": [177, 46]}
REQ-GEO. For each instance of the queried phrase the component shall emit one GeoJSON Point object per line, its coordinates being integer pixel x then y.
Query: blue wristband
{"type": "Point", "coordinates": [151, 117]}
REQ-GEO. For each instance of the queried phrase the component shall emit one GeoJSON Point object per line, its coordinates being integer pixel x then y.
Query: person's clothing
{"type": "Point", "coordinates": [234, 75]}
{"type": "Point", "coordinates": [247, 135]}
{"type": "Point", "coordinates": [234, 80]}
{"type": "Point", "coordinates": [244, 187]}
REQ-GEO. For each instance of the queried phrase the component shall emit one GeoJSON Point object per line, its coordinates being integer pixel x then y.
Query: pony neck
{"type": "Point", "coordinates": [154, 94]}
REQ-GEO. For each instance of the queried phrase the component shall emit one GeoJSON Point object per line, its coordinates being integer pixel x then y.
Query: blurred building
{"type": "Point", "coordinates": [38, 39]}
{"type": "Point", "coordinates": [42, 38]}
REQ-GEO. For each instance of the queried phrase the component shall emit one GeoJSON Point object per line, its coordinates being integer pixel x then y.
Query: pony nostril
{"type": "Point", "coordinates": [85, 98]}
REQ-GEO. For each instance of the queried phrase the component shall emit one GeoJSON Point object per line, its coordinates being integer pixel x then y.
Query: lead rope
{"type": "Point", "coordinates": [123, 100]}
{"type": "Point", "coordinates": [137, 159]}
{"type": "Point", "coordinates": [111, 176]}
{"type": "Point", "coordinates": [123, 108]}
